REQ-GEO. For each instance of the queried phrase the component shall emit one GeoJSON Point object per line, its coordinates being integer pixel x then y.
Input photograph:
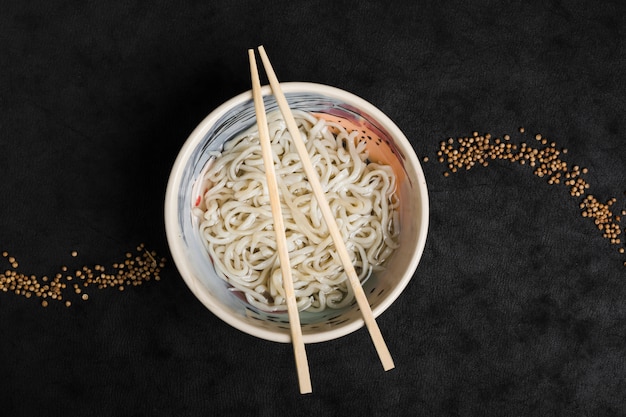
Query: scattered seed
{"type": "Point", "coordinates": [133, 270]}
{"type": "Point", "coordinates": [464, 153]}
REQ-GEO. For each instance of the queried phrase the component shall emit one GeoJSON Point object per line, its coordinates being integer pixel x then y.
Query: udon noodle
{"type": "Point", "coordinates": [235, 218]}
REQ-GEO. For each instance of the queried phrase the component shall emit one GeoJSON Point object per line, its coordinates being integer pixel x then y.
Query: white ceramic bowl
{"type": "Point", "coordinates": [236, 115]}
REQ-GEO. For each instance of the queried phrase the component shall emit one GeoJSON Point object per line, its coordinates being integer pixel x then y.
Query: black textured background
{"type": "Point", "coordinates": [518, 307]}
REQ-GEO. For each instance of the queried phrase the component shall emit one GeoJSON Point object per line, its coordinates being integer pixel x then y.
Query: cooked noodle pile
{"type": "Point", "coordinates": [235, 217]}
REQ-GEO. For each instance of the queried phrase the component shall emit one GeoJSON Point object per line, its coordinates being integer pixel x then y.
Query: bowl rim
{"type": "Point", "coordinates": [174, 234]}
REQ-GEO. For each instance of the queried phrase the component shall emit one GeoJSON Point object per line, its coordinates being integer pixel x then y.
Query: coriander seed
{"type": "Point", "coordinates": [468, 152]}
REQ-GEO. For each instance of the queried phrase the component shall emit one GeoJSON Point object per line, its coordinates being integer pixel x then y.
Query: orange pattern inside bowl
{"type": "Point", "coordinates": [379, 147]}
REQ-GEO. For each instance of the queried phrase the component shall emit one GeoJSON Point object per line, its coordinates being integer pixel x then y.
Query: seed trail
{"type": "Point", "coordinates": [465, 153]}
{"type": "Point", "coordinates": [134, 270]}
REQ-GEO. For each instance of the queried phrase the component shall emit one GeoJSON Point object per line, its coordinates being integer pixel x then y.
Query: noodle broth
{"type": "Point", "coordinates": [232, 210]}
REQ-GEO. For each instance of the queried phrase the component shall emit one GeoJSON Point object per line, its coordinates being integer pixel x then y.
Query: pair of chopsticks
{"type": "Point", "coordinates": [302, 366]}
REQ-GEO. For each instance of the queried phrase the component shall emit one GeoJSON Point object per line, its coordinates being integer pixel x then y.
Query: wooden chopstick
{"type": "Point", "coordinates": [361, 298]}
{"type": "Point", "coordinates": [302, 365]}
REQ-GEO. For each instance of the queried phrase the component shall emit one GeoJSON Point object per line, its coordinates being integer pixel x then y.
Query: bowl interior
{"type": "Point", "coordinates": [386, 144]}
